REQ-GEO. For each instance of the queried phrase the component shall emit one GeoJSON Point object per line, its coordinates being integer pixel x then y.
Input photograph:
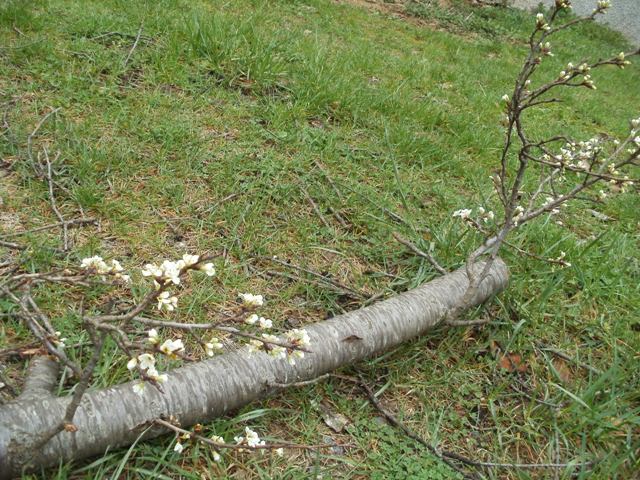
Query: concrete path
{"type": "Point", "coordinates": [624, 15]}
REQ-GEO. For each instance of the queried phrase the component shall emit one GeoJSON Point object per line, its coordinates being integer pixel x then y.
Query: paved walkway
{"type": "Point", "coordinates": [624, 15]}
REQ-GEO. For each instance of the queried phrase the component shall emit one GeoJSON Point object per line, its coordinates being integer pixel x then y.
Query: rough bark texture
{"type": "Point", "coordinates": [198, 392]}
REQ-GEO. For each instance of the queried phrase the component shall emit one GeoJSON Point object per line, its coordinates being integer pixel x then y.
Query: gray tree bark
{"type": "Point", "coordinates": [116, 416]}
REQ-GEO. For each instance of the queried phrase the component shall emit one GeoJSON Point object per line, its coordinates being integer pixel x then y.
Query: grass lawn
{"type": "Point", "coordinates": [302, 130]}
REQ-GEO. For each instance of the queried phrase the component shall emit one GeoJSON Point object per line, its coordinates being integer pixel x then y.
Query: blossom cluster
{"type": "Point", "coordinates": [602, 5]}
{"type": "Point", "coordinates": [250, 300]}
{"type": "Point", "coordinates": [560, 260]}
{"type": "Point", "coordinates": [584, 156]}
{"type": "Point", "coordinates": [541, 22]}
{"type": "Point", "coordinates": [484, 215]}
{"type": "Point", "coordinates": [147, 363]}
{"type": "Point", "coordinates": [169, 272]}
{"type": "Point", "coordinates": [297, 339]}
{"type": "Point", "coordinates": [98, 265]}
{"type": "Point", "coordinates": [250, 439]}
{"type": "Point", "coordinates": [263, 323]}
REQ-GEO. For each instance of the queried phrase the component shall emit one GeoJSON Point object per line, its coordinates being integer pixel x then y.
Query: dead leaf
{"type": "Point", "coordinates": [334, 420]}
{"type": "Point", "coordinates": [564, 372]}
{"type": "Point", "coordinates": [512, 362]}
{"type": "Point", "coordinates": [29, 352]}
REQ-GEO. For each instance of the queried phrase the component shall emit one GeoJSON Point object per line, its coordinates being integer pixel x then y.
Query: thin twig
{"type": "Point", "coordinates": [52, 200]}
{"type": "Point", "coordinates": [414, 248]}
{"type": "Point", "coordinates": [14, 246]}
{"type": "Point", "coordinates": [135, 44]}
{"type": "Point", "coordinates": [69, 223]}
{"type": "Point", "coordinates": [340, 286]}
{"type": "Point", "coordinates": [33, 134]}
{"type": "Point", "coordinates": [233, 446]}
{"type": "Point", "coordinates": [447, 454]}
{"type": "Point", "coordinates": [315, 207]}
{"type": "Point", "coordinates": [467, 323]}
{"type": "Point", "coordinates": [564, 356]}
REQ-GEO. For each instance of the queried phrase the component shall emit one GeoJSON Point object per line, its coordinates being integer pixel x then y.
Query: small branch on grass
{"type": "Point", "coordinates": [232, 446]}
{"type": "Point", "coordinates": [315, 207]}
{"type": "Point", "coordinates": [467, 323]}
{"type": "Point", "coordinates": [334, 283]}
{"type": "Point", "coordinates": [14, 246]}
{"type": "Point", "coordinates": [135, 44]}
{"type": "Point", "coordinates": [559, 353]}
{"type": "Point", "coordinates": [52, 200]}
{"type": "Point", "coordinates": [31, 136]}
{"type": "Point", "coordinates": [214, 326]}
{"type": "Point", "coordinates": [443, 454]}
{"type": "Point", "coordinates": [69, 223]}
{"type": "Point", "coordinates": [414, 248]}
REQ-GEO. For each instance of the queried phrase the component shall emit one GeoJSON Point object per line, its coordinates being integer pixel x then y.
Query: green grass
{"type": "Point", "coordinates": [245, 98]}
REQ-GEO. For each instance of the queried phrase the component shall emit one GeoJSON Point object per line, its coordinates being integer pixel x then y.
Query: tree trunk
{"type": "Point", "coordinates": [116, 416]}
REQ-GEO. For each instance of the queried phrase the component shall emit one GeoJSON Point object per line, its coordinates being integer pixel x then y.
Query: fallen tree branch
{"type": "Point", "coordinates": [41, 379]}
{"type": "Point", "coordinates": [204, 390]}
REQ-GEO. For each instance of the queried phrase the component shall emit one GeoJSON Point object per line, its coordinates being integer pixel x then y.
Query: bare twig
{"type": "Point", "coordinates": [414, 248]}
{"type": "Point", "coordinates": [69, 223]}
{"type": "Point", "coordinates": [135, 44]}
{"type": "Point", "coordinates": [315, 207]}
{"type": "Point", "coordinates": [33, 134]}
{"type": "Point", "coordinates": [334, 283]}
{"type": "Point", "coordinates": [443, 454]}
{"type": "Point", "coordinates": [568, 358]}
{"type": "Point", "coordinates": [52, 200]}
{"type": "Point", "coordinates": [14, 246]}
{"type": "Point", "coordinates": [467, 323]}
{"type": "Point", "coordinates": [233, 446]}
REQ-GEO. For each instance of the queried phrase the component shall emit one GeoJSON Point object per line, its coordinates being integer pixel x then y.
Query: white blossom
{"type": "Point", "coordinates": [297, 338]}
{"type": "Point", "coordinates": [251, 319]}
{"type": "Point", "coordinates": [166, 300]}
{"type": "Point", "coordinates": [251, 300]}
{"type": "Point", "coordinates": [132, 363]}
{"type": "Point", "coordinates": [152, 336]}
{"type": "Point", "coordinates": [541, 23]}
{"type": "Point", "coordinates": [95, 263]}
{"type": "Point", "coordinates": [146, 361]}
{"type": "Point", "coordinates": [462, 213]}
{"type": "Point", "coordinates": [178, 448]}
{"type": "Point", "coordinates": [265, 323]}
{"type": "Point", "coordinates": [208, 269]}
{"type": "Point", "coordinates": [189, 260]}
{"type": "Point", "coordinates": [139, 387]}
{"type": "Point", "coordinates": [213, 345]}
{"type": "Point", "coordinates": [151, 270]}
{"type": "Point", "coordinates": [171, 271]}
{"type": "Point", "coordinates": [280, 452]}
{"type": "Point", "coordinates": [170, 347]}
{"type": "Point", "coordinates": [251, 439]}
{"type": "Point", "coordinates": [153, 374]}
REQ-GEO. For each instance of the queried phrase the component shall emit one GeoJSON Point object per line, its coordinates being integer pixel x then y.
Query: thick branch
{"type": "Point", "coordinates": [201, 391]}
{"type": "Point", "coordinates": [42, 378]}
